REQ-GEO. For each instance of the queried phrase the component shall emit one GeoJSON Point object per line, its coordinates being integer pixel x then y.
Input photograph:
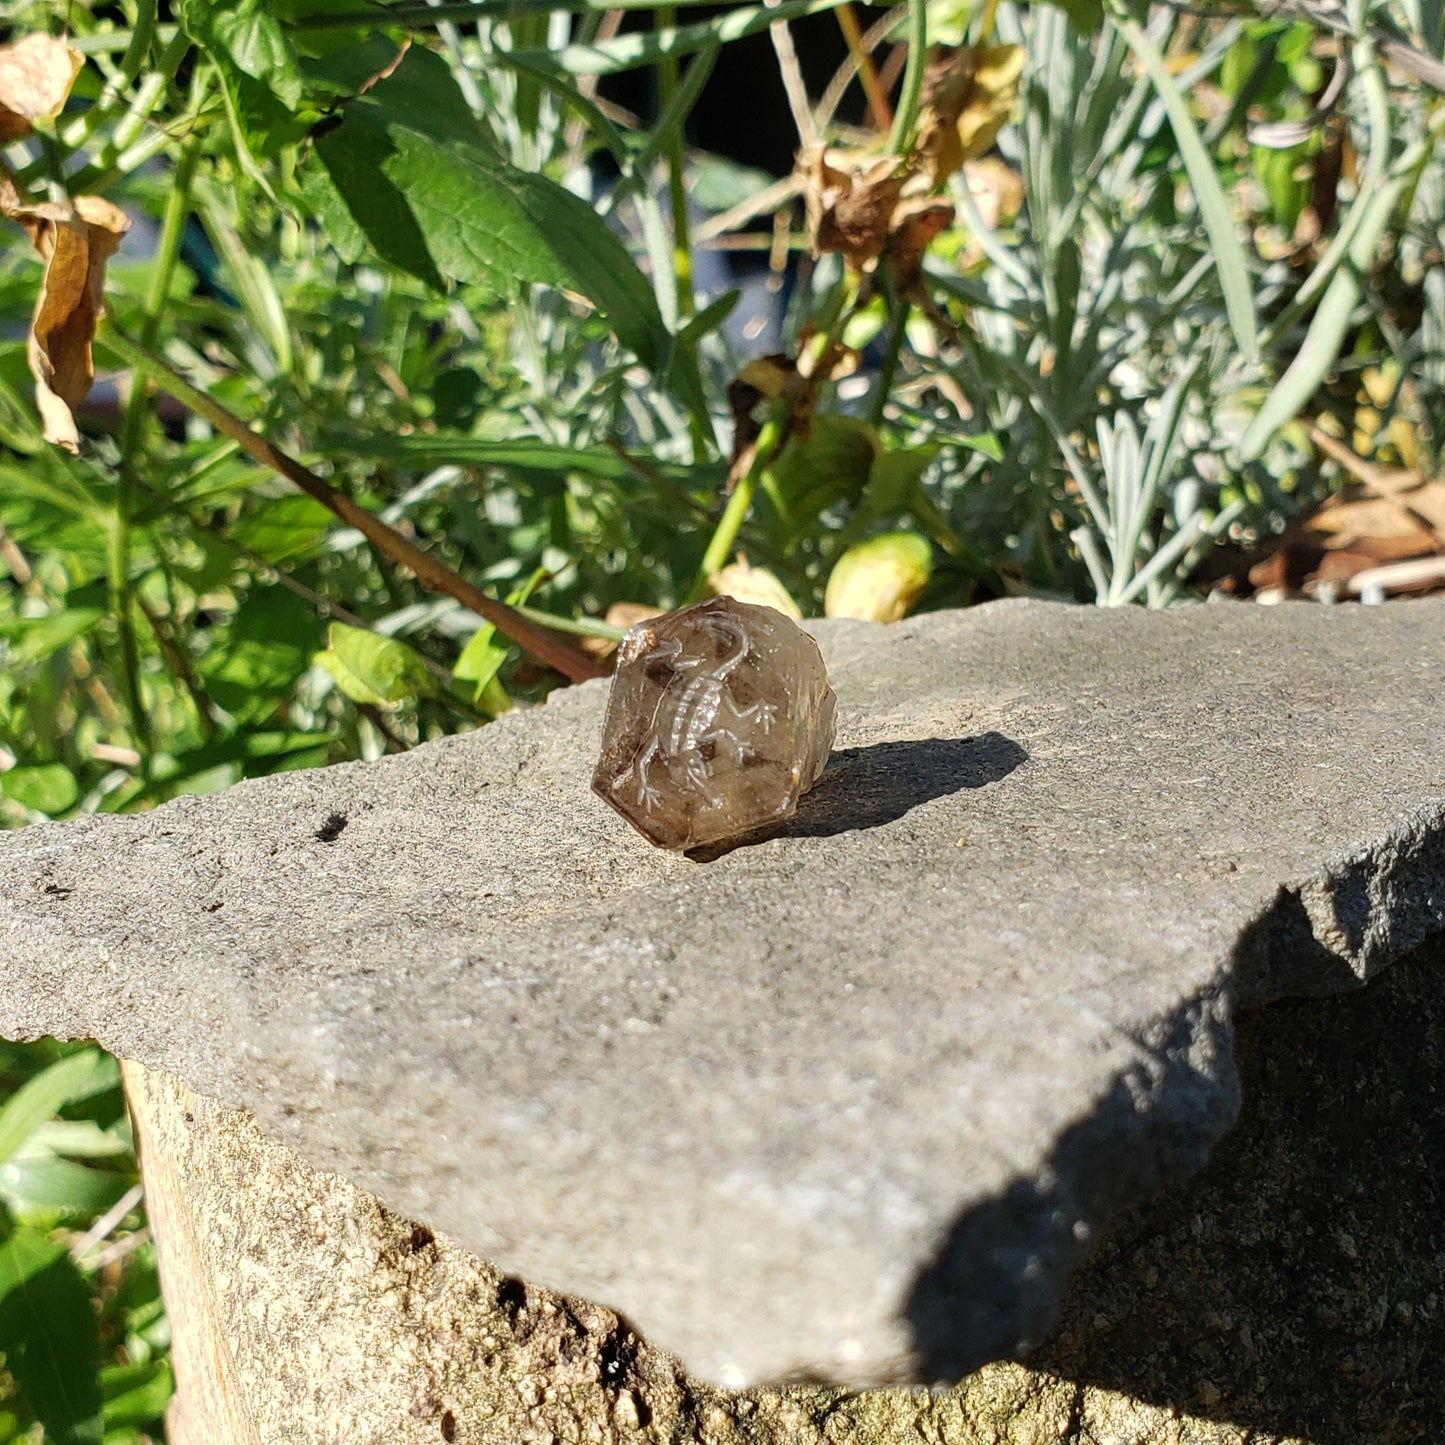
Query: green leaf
{"type": "Point", "coordinates": [79, 1139]}
{"type": "Point", "coordinates": [31, 1186]}
{"type": "Point", "coordinates": [372, 669]}
{"type": "Point", "coordinates": [483, 656]}
{"type": "Point", "coordinates": [49, 1338]}
{"type": "Point", "coordinates": [893, 479]}
{"type": "Point", "coordinates": [529, 454]}
{"type": "Point", "coordinates": [76, 1076]}
{"type": "Point", "coordinates": [830, 467]}
{"type": "Point", "coordinates": [1087, 15]}
{"type": "Point", "coordinates": [48, 788]}
{"type": "Point", "coordinates": [320, 196]}
{"type": "Point", "coordinates": [258, 753]}
{"type": "Point", "coordinates": [1320, 349]}
{"type": "Point", "coordinates": [245, 39]}
{"type": "Point", "coordinates": [34, 639]}
{"type": "Point", "coordinates": [423, 89]}
{"type": "Point", "coordinates": [136, 1395]}
{"type": "Point", "coordinates": [438, 204]}
{"type": "Point", "coordinates": [282, 529]}
{"type": "Point", "coordinates": [266, 648]}
{"type": "Point", "coordinates": [1214, 208]}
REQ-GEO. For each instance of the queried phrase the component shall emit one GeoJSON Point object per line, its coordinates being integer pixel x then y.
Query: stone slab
{"type": "Point", "coordinates": [847, 1104]}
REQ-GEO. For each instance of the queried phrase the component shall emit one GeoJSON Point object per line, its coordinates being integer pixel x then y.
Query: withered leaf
{"type": "Point", "coordinates": [771, 377]}
{"type": "Point", "coordinates": [36, 74]}
{"type": "Point", "coordinates": [745, 583]}
{"type": "Point", "coordinates": [850, 201]}
{"type": "Point", "coordinates": [74, 239]}
{"type": "Point", "coordinates": [916, 223]}
{"type": "Point", "coordinates": [968, 95]}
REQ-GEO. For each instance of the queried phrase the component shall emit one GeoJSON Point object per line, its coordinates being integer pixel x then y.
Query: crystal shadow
{"type": "Point", "coordinates": [870, 786]}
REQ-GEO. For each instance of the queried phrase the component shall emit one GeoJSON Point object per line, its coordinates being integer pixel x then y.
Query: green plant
{"type": "Point", "coordinates": [82, 1331]}
{"type": "Point", "coordinates": [425, 309]}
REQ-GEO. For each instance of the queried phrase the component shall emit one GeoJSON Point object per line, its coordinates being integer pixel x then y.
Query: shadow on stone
{"type": "Point", "coordinates": [991, 1292]}
{"type": "Point", "coordinates": [868, 787]}
{"type": "Point", "coordinates": [1296, 1287]}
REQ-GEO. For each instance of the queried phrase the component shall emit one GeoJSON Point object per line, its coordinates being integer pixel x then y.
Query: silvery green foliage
{"type": "Point", "coordinates": [1097, 343]}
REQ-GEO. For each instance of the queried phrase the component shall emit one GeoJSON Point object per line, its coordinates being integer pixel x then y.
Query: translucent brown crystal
{"type": "Point", "coordinates": [720, 719]}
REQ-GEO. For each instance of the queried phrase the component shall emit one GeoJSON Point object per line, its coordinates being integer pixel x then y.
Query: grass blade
{"type": "Point", "coordinates": [1214, 208]}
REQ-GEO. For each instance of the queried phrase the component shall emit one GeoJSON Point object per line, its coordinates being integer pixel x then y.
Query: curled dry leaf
{"type": "Point", "coordinates": [74, 240]}
{"type": "Point", "coordinates": [850, 201]}
{"type": "Point", "coordinates": [745, 583]}
{"type": "Point", "coordinates": [968, 95]}
{"type": "Point", "coordinates": [766, 377]}
{"type": "Point", "coordinates": [36, 74]}
{"type": "Point", "coordinates": [916, 224]}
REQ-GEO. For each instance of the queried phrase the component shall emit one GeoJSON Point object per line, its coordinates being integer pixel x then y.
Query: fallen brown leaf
{"type": "Point", "coordinates": [36, 74]}
{"type": "Point", "coordinates": [1357, 518]}
{"type": "Point", "coordinates": [74, 239]}
{"type": "Point", "coordinates": [1405, 490]}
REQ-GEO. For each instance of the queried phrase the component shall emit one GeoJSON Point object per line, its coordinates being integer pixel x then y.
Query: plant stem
{"type": "Point", "coordinates": [841, 303]}
{"type": "Point", "coordinates": [667, 81]}
{"type": "Point", "coordinates": [884, 386]}
{"type": "Point", "coordinates": [118, 556]}
{"type": "Point", "coordinates": [431, 573]}
{"type": "Point", "coordinates": [158, 287]}
{"type": "Point", "coordinates": [878, 106]}
{"type": "Point", "coordinates": [907, 114]}
{"type": "Point", "coordinates": [725, 535]}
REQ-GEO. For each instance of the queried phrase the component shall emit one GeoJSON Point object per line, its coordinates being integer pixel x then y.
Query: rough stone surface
{"type": "Point", "coordinates": [849, 1104]}
{"type": "Point", "coordinates": [1292, 1294]}
{"type": "Point", "coordinates": [720, 718]}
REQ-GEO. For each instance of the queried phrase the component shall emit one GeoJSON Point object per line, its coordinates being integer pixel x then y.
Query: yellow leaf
{"type": "Point", "coordinates": [969, 94]}
{"type": "Point", "coordinates": [745, 583]}
{"type": "Point", "coordinates": [880, 579]}
{"type": "Point", "coordinates": [35, 78]}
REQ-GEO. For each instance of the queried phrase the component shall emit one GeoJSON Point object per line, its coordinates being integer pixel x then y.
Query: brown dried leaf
{"type": "Point", "coordinates": [968, 95]}
{"type": "Point", "coordinates": [1361, 518]}
{"type": "Point", "coordinates": [75, 241]}
{"type": "Point", "coordinates": [766, 377]}
{"type": "Point", "coordinates": [850, 201]}
{"type": "Point", "coordinates": [1407, 490]}
{"type": "Point", "coordinates": [35, 78]}
{"type": "Point", "coordinates": [916, 223]}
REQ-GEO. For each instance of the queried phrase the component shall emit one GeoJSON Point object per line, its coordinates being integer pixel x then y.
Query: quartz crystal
{"type": "Point", "coordinates": [720, 719]}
